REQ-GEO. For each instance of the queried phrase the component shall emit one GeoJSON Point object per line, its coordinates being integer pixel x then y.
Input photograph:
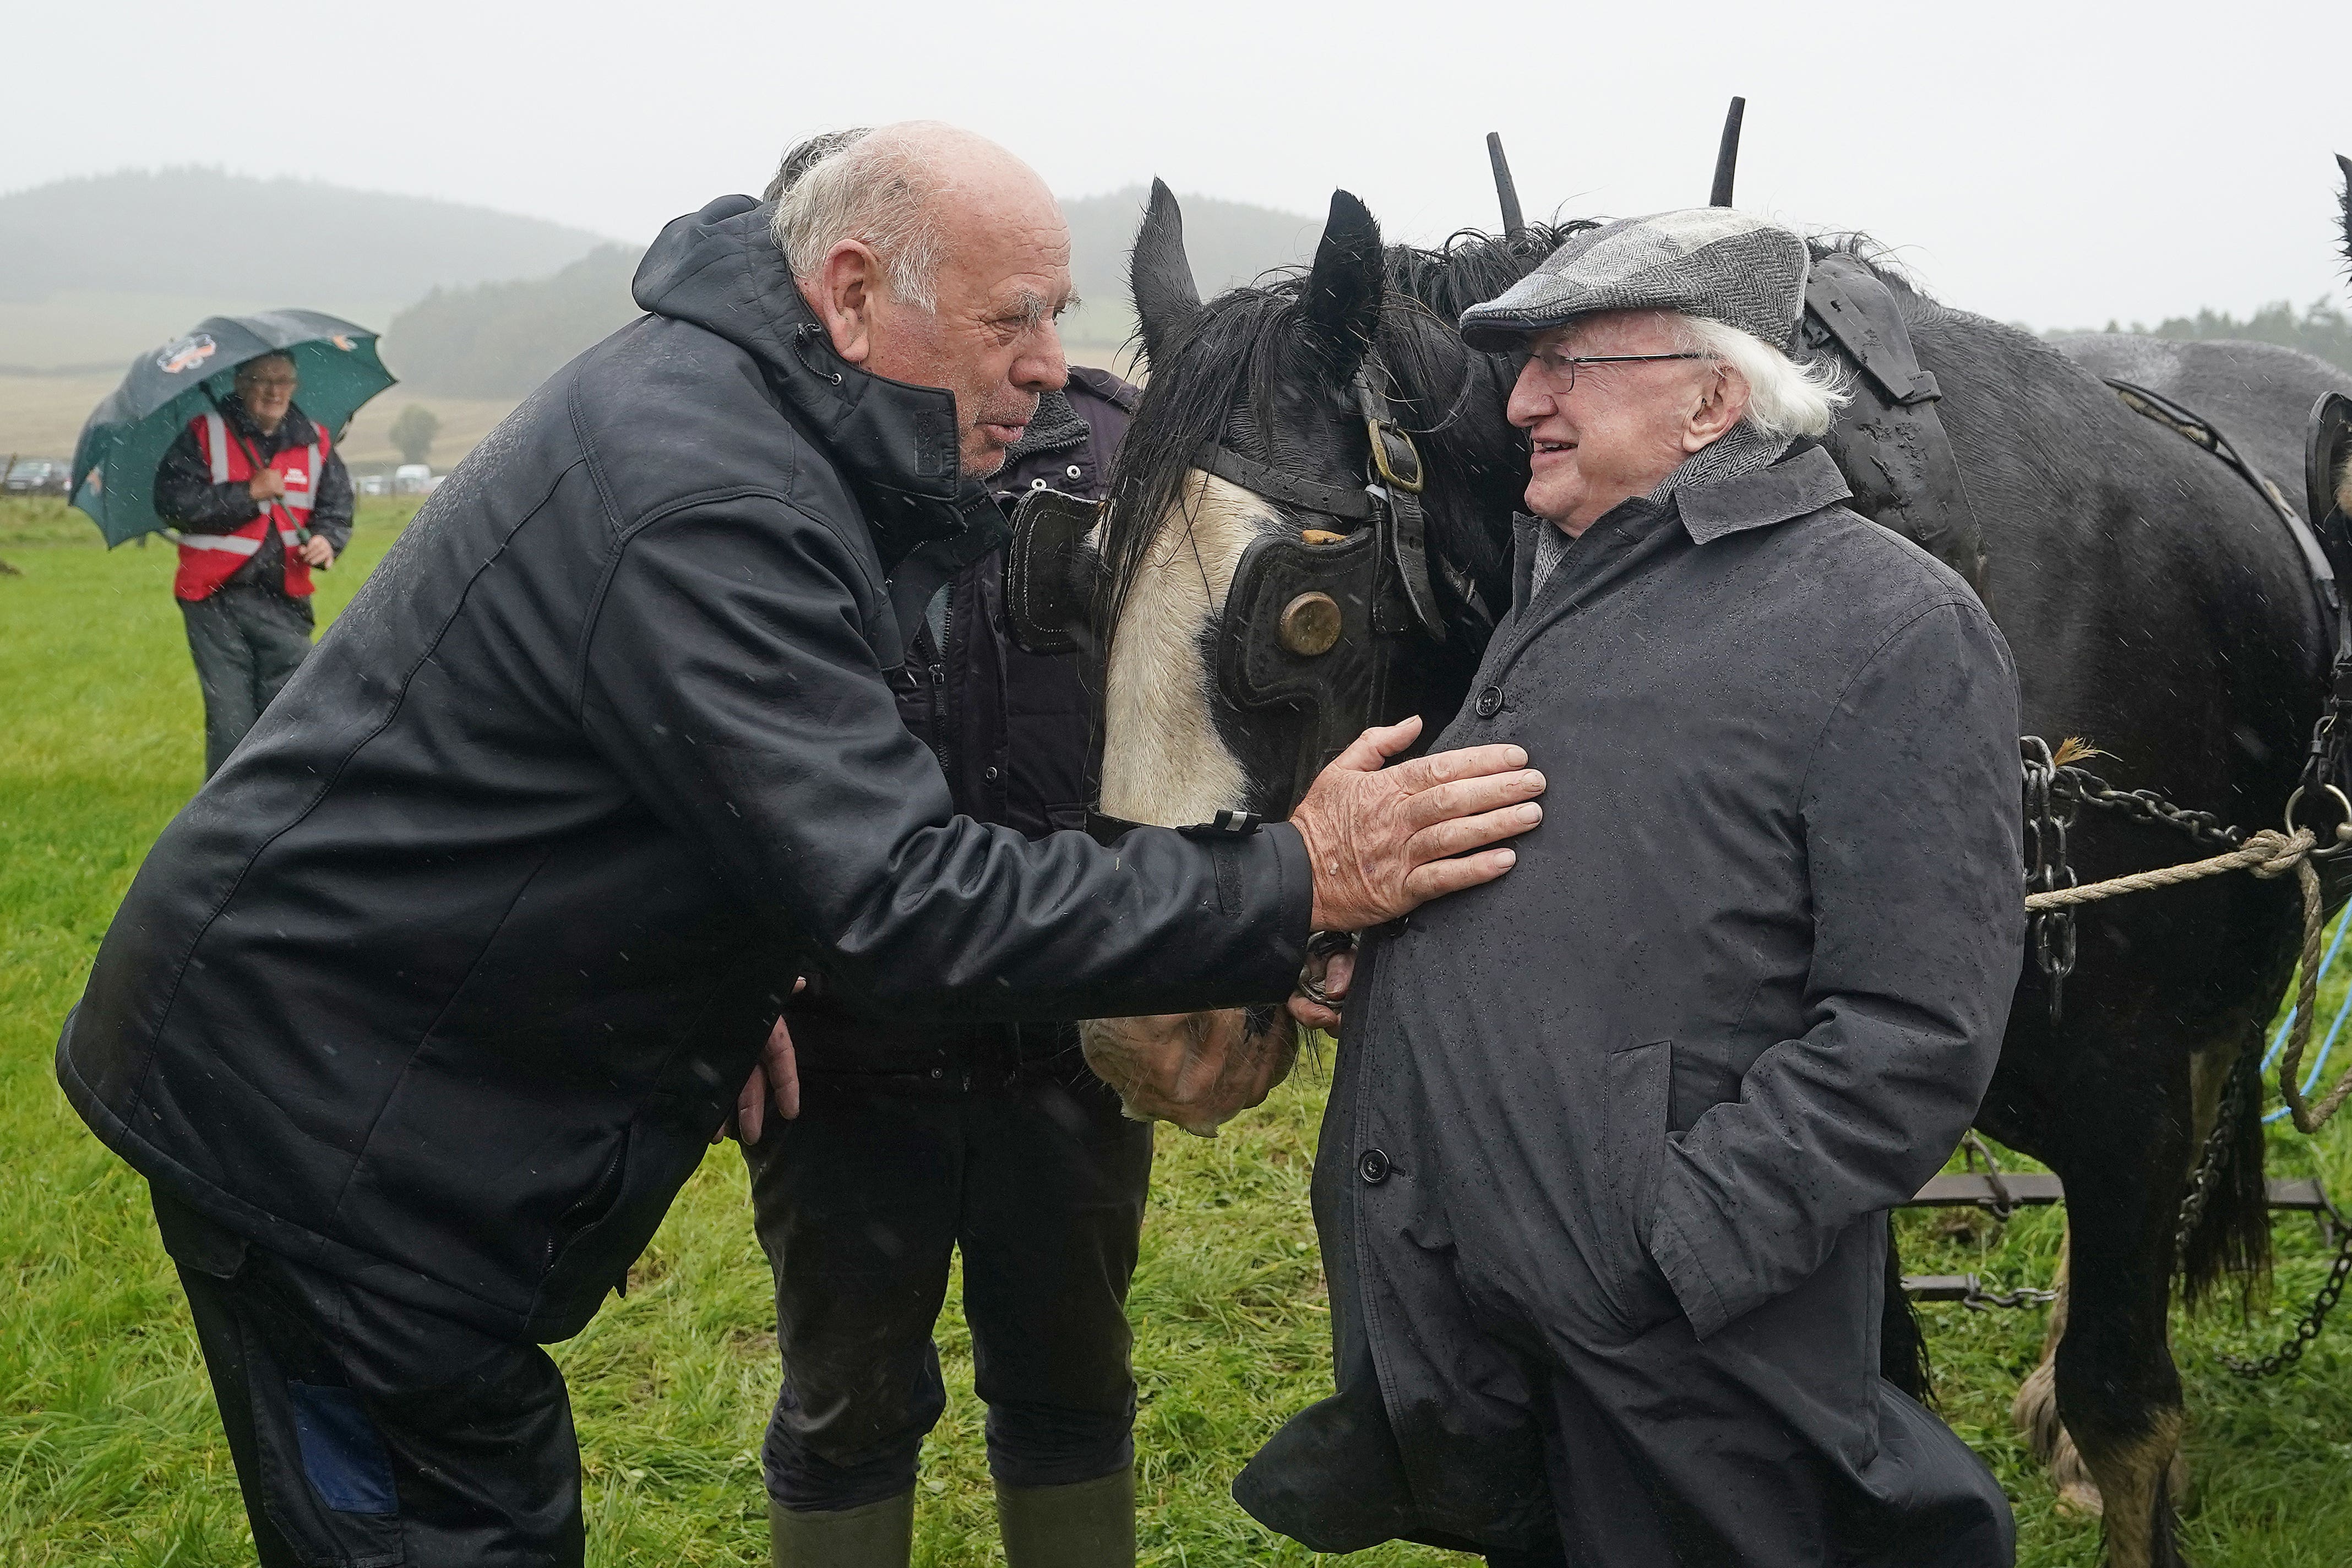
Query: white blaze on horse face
{"type": "Point", "coordinates": [1163, 760]}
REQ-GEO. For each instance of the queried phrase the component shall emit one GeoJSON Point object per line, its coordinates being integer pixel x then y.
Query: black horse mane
{"type": "Point", "coordinates": [1243, 349]}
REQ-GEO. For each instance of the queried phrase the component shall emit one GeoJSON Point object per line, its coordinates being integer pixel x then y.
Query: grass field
{"type": "Point", "coordinates": [110, 1451]}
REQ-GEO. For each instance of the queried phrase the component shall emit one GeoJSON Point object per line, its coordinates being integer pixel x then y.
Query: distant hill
{"type": "Point", "coordinates": [91, 270]}
{"type": "Point", "coordinates": [501, 340]}
{"type": "Point", "coordinates": [1228, 243]}
{"type": "Point", "coordinates": [94, 270]}
{"type": "Point", "coordinates": [183, 231]}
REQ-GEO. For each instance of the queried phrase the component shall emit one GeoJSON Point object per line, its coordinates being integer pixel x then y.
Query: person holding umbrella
{"type": "Point", "coordinates": [260, 499]}
{"type": "Point", "coordinates": [202, 442]}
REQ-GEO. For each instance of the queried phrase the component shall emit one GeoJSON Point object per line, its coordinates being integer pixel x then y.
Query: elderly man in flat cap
{"type": "Point", "coordinates": [1603, 1190]}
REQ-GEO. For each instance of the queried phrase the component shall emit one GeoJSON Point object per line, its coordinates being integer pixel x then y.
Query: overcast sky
{"type": "Point", "coordinates": [2053, 163]}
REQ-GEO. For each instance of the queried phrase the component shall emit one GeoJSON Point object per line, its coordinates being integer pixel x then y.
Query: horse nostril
{"type": "Point", "coordinates": [1310, 624]}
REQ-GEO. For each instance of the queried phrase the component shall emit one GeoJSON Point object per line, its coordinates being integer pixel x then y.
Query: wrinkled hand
{"type": "Point", "coordinates": [1196, 1070]}
{"type": "Point", "coordinates": [1385, 840]}
{"type": "Point", "coordinates": [1337, 972]}
{"type": "Point", "coordinates": [317, 551]}
{"type": "Point", "coordinates": [266, 485]}
{"type": "Point", "coordinates": [775, 1080]}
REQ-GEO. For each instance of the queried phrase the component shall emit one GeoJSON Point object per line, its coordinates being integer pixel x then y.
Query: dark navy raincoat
{"type": "Point", "coordinates": [1602, 1183]}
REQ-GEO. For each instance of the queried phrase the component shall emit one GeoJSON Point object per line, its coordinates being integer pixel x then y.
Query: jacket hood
{"type": "Point", "coordinates": [718, 270]}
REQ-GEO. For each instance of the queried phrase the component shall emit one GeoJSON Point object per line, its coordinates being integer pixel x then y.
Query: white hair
{"type": "Point", "coordinates": [877, 190]}
{"type": "Point", "coordinates": [1784, 398]}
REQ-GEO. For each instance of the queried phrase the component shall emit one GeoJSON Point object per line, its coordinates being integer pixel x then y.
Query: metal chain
{"type": "Point", "coordinates": [1980, 1300]}
{"type": "Point", "coordinates": [2314, 1317]}
{"type": "Point", "coordinates": [2047, 869]}
{"type": "Point", "coordinates": [2243, 1073]}
{"type": "Point", "coordinates": [2053, 790]}
{"type": "Point", "coordinates": [2077, 784]}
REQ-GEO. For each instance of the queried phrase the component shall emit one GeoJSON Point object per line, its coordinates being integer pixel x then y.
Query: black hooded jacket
{"type": "Point", "coordinates": [444, 981]}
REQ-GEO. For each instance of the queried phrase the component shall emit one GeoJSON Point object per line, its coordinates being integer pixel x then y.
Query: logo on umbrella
{"type": "Point", "coordinates": [185, 354]}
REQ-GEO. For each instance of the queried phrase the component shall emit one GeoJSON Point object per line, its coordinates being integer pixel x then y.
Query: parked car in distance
{"type": "Point", "coordinates": [412, 479]}
{"type": "Point", "coordinates": [372, 484]}
{"type": "Point", "coordinates": [38, 476]}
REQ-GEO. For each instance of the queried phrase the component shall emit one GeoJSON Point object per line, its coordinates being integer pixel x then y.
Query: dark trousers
{"type": "Point", "coordinates": [249, 639]}
{"type": "Point", "coordinates": [862, 1201]}
{"type": "Point", "coordinates": [366, 1432]}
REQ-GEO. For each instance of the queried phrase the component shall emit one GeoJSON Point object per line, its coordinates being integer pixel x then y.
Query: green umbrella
{"type": "Point", "coordinates": [127, 434]}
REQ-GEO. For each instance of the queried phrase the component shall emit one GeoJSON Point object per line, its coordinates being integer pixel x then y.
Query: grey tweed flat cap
{"type": "Point", "coordinates": [1701, 261]}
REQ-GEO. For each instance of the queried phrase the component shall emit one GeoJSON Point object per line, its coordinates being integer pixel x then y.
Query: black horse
{"type": "Point", "coordinates": [2155, 605]}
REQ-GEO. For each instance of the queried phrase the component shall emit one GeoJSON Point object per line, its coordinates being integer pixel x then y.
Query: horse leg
{"type": "Point", "coordinates": [2119, 1394]}
{"type": "Point", "coordinates": [2035, 1412]}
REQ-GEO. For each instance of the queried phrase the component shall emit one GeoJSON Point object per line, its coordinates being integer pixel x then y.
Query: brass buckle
{"type": "Point", "coordinates": [1379, 429]}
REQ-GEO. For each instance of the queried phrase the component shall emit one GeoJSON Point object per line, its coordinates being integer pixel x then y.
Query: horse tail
{"type": "Point", "coordinates": [2232, 1237]}
{"type": "Point", "coordinates": [1902, 1338]}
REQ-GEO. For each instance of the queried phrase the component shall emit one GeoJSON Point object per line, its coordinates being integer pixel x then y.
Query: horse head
{"type": "Point", "coordinates": [1253, 430]}
{"type": "Point", "coordinates": [1306, 534]}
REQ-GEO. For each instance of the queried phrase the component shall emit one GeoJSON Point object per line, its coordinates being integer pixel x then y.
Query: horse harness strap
{"type": "Point", "coordinates": [1354, 505]}
{"type": "Point", "coordinates": [2325, 542]}
{"type": "Point", "coordinates": [2316, 563]}
{"type": "Point", "coordinates": [1889, 441]}
{"type": "Point", "coordinates": [1398, 478]}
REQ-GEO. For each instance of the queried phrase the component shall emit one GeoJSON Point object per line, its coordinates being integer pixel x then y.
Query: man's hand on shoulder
{"type": "Point", "coordinates": [1384, 840]}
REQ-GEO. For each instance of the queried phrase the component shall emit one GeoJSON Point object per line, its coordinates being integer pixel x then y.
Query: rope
{"type": "Point", "coordinates": [2267, 854]}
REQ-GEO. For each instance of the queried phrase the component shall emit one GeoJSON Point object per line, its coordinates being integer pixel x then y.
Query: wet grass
{"type": "Point", "coordinates": [109, 1450]}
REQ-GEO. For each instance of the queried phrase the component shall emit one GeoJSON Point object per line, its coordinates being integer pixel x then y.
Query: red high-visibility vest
{"type": "Point", "coordinates": [207, 560]}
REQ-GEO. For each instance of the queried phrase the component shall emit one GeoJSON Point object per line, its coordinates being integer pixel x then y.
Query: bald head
{"type": "Point", "coordinates": [933, 256]}
{"type": "Point", "coordinates": [912, 193]}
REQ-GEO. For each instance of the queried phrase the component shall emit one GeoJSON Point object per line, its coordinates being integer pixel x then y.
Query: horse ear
{"type": "Point", "coordinates": [2345, 164]}
{"type": "Point", "coordinates": [1343, 290]}
{"type": "Point", "coordinates": [1167, 300]}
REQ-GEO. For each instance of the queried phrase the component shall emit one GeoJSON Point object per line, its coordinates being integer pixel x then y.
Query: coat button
{"type": "Point", "coordinates": [990, 774]}
{"type": "Point", "coordinates": [1072, 472]}
{"type": "Point", "coordinates": [1036, 484]}
{"type": "Point", "coordinates": [1374, 1166]}
{"type": "Point", "coordinates": [1490, 702]}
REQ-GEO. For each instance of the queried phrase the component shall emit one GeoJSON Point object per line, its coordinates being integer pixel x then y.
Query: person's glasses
{"type": "Point", "coordinates": [1559, 369]}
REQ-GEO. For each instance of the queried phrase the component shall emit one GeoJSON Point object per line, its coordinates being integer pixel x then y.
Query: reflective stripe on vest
{"type": "Point", "coordinates": [216, 445]}
{"type": "Point", "coordinates": [235, 543]}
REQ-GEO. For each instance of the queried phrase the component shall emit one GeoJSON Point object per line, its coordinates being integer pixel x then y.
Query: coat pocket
{"type": "Point", "coordinates": [1638, 1082]}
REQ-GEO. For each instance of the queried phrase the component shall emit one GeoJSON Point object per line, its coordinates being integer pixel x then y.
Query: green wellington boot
{"type": "Point", "coordinates": [877, 1535]}
{"type": "Point", "coordinates": [1090, 1524]}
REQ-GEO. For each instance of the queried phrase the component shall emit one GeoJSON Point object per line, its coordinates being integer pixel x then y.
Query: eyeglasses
{"type": "Point", "coordinates": [1559, 369]}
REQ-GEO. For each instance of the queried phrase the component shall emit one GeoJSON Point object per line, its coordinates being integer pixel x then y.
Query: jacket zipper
{"type": "Point", "coordinates": [590, 1202]}
{"type": "Point", "coordinates": [939, 683]}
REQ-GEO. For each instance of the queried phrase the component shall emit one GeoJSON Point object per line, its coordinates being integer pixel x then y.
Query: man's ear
{"type": "Point", "coordinates": [1723, 399]}
{"type": "Point", "coordinates": [842, 294]}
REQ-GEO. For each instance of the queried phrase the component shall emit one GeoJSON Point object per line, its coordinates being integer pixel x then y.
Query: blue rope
{"type": "Point", "coordinates": [2343, 1011]}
